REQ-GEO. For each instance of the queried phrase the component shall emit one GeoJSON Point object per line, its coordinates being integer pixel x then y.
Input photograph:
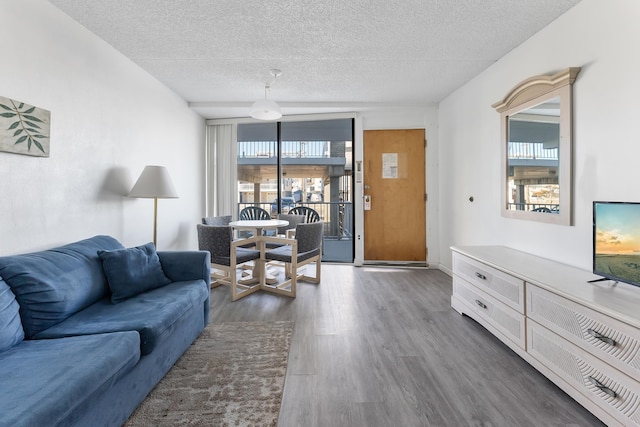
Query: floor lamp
{"type": "Point", "coordinates": [154, 183]}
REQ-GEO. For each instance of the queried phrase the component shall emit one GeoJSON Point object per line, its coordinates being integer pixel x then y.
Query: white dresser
{"type": "Point", "coordinates": [585, 337]}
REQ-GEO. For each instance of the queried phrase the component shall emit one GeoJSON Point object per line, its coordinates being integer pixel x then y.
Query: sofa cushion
{"type": "Point", "coordinates": [132, 271]}
{"type": "Point", "coordinates": [51, 285]}
{"type": "Point", "coordinates": [11, 332]}
{"type": "Point", "coordinates": [149, 313]}
{"type": "Point", "coordinates": [71, 369]}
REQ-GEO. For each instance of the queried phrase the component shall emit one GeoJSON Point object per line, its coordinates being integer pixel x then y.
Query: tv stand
{"type": "Point", "coordinates": [586, 339]}
{"type": "Point", "coordinates": [601, 279]}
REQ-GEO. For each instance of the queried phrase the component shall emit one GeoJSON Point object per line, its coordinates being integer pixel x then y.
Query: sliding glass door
{"type": "Point", "coordinates": [301, 163]}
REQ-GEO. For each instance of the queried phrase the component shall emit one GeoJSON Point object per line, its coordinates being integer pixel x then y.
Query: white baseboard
{"type": "Point", "coordinates": [446, 270]}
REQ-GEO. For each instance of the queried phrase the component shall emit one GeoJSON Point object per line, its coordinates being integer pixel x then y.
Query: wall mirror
{"type": "Point", "coordinates": [536, 149]}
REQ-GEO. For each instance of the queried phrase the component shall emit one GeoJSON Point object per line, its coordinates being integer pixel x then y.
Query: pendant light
{"type": "Point", "coordinates": [267, 109]}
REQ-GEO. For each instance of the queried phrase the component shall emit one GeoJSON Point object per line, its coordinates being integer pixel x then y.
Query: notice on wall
{"type": "Point", "coordinates": [389, 165]}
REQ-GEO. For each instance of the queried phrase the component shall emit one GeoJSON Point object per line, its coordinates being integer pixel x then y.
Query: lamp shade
{"type": "Point", "coordinates": [154, 182]}
{"type": "Point", "coordinates": [265, 109]}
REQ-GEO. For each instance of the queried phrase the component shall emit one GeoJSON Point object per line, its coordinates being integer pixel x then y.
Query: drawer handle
{"type": "Point", "coordinates": [481, 276]}
{"type": "Point", "coordinates": [603, 387]}
{"type": "Point", "coordinates": [481, 304]}
{"type": "Point", "coordinates": [601, 337]}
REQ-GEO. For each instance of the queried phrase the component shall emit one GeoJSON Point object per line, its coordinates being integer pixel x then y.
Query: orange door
{"type": "Point", "coordinates": [394, 186]}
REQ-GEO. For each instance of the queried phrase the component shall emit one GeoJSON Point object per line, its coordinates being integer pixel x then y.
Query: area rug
{"type": "Point", "coordinates": [232, 375]}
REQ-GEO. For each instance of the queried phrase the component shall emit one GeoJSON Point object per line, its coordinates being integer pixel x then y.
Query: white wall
{"type": "Point", "coordinates": [108, 120]}
{"type": "Point", "coordinates": [603, 39]}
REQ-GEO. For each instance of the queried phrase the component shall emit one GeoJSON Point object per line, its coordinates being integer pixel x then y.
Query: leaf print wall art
{"type": "Point", "coordinates": [24, 129]}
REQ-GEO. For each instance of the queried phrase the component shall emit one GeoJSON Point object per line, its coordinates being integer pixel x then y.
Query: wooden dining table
{"type": "Point", "coordinates": [258, 226]}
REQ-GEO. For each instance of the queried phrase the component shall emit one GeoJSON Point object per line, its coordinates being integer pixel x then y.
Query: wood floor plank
{"type": "Point", "coordinates": [381, 346]}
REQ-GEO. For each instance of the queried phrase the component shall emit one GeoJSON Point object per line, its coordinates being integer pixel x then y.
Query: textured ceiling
{"type": "Point", "coordinates": [335, 55]}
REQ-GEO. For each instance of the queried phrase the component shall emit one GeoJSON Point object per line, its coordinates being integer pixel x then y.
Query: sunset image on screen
{"type": "Point", "coordinates": [618, 229]}
{"type": "Point", "coordinates": [617, 241]}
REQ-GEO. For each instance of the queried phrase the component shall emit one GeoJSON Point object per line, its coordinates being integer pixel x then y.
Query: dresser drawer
{"type": "Point", "coordinates": [606, 387]}
{"type": "Point", "coordinates": [504, 287]}
{"type": "Point", "coordinates": [506, 320]}
{"type": "Point", "coordinates": [612, 341]}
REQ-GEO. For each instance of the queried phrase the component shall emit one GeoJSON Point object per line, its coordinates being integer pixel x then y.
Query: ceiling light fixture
{"type": "Point", "coordinates": [266, 109]}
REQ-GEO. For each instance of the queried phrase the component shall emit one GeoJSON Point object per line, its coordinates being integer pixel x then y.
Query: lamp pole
{"type": "Point", "coordinates": [155, 222]}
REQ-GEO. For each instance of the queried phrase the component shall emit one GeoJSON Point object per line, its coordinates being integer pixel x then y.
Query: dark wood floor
{"type": "Point", "coordinates": [376, 346]}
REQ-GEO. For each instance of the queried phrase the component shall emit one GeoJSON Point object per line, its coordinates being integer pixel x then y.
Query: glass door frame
{"type": "Point", "coordinates": [356, 214]}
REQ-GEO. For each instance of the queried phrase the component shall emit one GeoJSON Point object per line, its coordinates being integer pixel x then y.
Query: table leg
{"type": "Point", "coordinates": [259, 267]}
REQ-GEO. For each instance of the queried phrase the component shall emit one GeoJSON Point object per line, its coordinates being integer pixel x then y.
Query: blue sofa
{"type": "Point", "coordinates": [89, 328]}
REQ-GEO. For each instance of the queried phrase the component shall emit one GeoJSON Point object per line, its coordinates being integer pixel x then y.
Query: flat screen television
{"type": "Point", "coordinates": [616, 241]}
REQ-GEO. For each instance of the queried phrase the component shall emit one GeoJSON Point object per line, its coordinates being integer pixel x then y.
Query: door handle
{"type": "Point", "coordinates": [367, 202]}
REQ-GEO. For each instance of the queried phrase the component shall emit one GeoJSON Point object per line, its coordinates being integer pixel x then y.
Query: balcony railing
{"type": "Point", "coordinates": [290, 149]}
{"type": "Point", "coordinates": [531, 150]}
{"type": "Point", "coordinates": [337, 216]}
{"type": "Point", "coordinates": [537, 207]}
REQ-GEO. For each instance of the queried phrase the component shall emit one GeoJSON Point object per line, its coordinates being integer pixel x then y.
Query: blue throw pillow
{"type": "Point", "coordinates": [132, 271]}
{"type": "Point", "coordinates": [11, 332]}
{"type": "Point", "coordinates": [52, 285]}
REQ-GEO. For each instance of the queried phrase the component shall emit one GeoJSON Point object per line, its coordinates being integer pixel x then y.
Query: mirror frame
{"type": "Point", "coordinates": [528, 93]}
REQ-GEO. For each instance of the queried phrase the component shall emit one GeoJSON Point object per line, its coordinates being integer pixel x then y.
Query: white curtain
{"type": "Point", "coordinates": [222, 170]}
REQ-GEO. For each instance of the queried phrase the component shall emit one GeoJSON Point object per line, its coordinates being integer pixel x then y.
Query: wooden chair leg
{"type": "Point", "coordinates": [218, 277]}
{"type": "Point", "coordinates": [318, 270]}
{"type": "Point", "coordinates": [234, 284]}
{"type": "Point", "coordinates": [294, 276]}
{"type": "Point", "coordinates": [316, 278]}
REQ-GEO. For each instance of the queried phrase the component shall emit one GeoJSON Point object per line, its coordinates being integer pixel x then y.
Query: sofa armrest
{"type": "Point", "coordinates": [186, 265]}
